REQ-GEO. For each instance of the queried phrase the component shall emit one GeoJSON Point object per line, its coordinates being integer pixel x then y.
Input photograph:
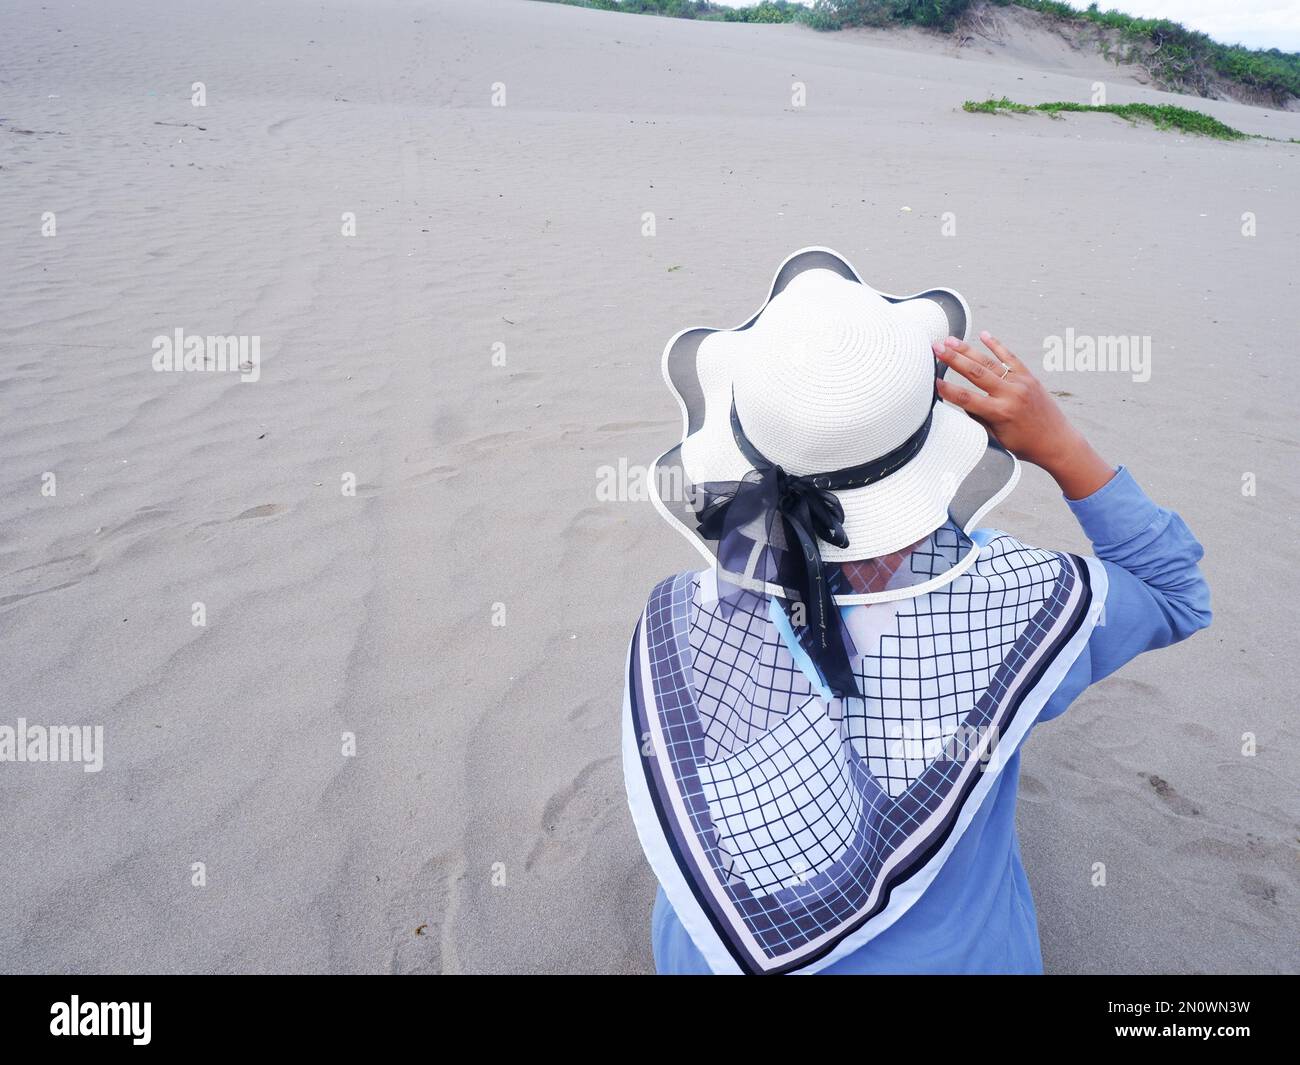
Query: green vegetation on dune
{"type": "Point", "coordinates": [1162, 116]}
{"type": "Point", "coordinates": [1177, 58]}
{"type": "Point", "coordinates": [1183, 59]}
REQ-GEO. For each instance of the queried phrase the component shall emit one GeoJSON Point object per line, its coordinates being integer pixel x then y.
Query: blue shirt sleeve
{"type": "Point", "coordinates": [1157, 594]}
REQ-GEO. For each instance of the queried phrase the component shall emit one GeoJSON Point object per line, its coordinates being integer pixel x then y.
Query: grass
{"type": "Point", "coordinates": [1162, 116]}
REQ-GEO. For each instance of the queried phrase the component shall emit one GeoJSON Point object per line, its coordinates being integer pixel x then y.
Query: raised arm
{"type": "Point", "coordinates": [1157, 595]}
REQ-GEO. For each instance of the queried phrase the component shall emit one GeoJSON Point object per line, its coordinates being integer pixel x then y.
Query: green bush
{"type": "Point", "coordinates": [1162, 116]}
{"type": "Point", "coordinates": [937, 14]}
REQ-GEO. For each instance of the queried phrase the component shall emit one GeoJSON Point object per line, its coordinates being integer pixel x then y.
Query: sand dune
{"type": "Point", "coordinates": [480, 826]}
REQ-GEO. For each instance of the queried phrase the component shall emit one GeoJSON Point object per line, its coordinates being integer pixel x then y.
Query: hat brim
{"type": "Point", "coordinates": [960, 473]}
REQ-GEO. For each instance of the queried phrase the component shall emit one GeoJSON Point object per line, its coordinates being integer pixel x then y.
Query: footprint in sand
{"type": "Point", "coordinates": [1258, 888]}
{"type": "Point", "coordinates": [264, 511]}
{"type": "Point", "coordinates": [1199, 732]}
{"type": "Point", "coordinates": [1033, 788]}
{"type": "Point", "coordinates": [489, 445]}
{"type": "Point", "coordinates": [573, 815]}
{"type": "Point", "coordinates": [631, 427]}
{"type": "Point", "coordinates": [144, 519]}
{"type": "Point", "coordinates": [52, 575]}
{"type": "Point", "coordinates": [420, 919]}
{"type": "Point", "coordinates": [1173, 800]}
{"type": "Point", "coordinates": [1133, 691]}
{"type": "Point", "coordinates": [589, 714]}
{"type": "Point", "coordinates": [595, 524]}
{"type": "Point", "coordinates": [275, 127]}
{"type": "Point", "coordinates": [435, 474]}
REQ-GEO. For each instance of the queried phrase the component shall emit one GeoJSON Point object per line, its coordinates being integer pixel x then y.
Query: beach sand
{"type": "Point", "coordinates": [481, 825]}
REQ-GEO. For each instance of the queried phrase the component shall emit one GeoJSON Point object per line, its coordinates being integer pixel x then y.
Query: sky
{"type": "Point", "coordinates": [1254, 23]}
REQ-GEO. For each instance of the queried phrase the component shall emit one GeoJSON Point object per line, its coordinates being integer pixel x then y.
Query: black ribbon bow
{"type": "Point", "coordinates": [740, 514]}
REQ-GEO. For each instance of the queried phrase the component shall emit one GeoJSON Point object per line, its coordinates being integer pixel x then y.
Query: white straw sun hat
{"type": "Point", "coordinates": [829, 374]}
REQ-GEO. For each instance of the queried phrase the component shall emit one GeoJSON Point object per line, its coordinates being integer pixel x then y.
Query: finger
{"type": "Point", "coordinates": [1001, 351]}
{"type": "Point", "coordinates": [987, 361]}
{"type": "Point", "coordinates": [978, 368]}
{"type": "Point", "coordinates": [976, 404]}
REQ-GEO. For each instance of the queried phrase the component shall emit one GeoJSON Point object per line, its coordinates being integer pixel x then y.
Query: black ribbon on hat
{"type": "Point", "coordinates": [807, 509]}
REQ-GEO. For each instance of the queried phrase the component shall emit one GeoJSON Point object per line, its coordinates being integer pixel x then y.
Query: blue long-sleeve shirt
{"type": "Point", "coordinates": [978, 915]}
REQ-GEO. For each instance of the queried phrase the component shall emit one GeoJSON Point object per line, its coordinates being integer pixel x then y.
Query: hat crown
{"type": "Point", "coordinates": [835, 375]}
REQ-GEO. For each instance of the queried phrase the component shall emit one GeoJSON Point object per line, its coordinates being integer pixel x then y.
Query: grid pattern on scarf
{"type": "Point", "coordinates": [745, 680]}
{"type": "Point", "coordinates": [920, 683]}
{"type": "Point", "coordinates": [797, 788]}
{"type": "Point", "coordinates": [775, 828]}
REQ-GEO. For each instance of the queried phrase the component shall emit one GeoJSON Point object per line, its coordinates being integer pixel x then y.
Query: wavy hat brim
{"type": "Point", "coordinates": [960, 475]}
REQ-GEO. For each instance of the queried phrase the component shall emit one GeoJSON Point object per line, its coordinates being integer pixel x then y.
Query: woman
{"type": "Point", "coordinates": [822, 729]}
